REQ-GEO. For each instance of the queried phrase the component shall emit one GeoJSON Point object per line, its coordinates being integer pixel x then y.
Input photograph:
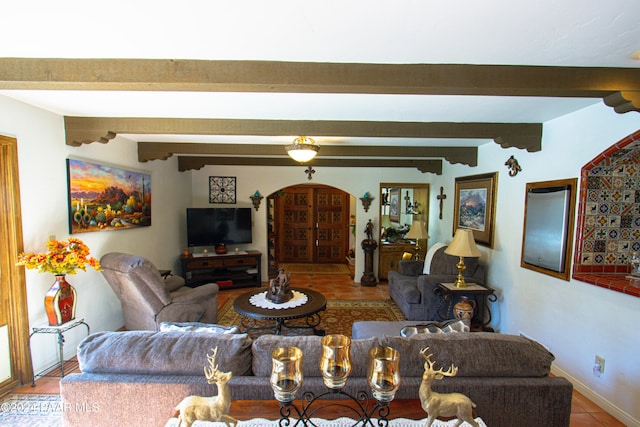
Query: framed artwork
{"type": "Point", "coordinates": [548, 227]}
{"type": "Point", "coordinates": [394, 205]}
{"type": "Point", "coordinates": [222, 189]}
{"type": "Point", "coordinates": [474, 206]}
{"type": "Point", "coordinates": [103, 197]}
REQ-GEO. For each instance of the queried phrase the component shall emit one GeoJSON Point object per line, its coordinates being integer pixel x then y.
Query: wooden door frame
{"type": "Point", "coordinates": [12, 276]}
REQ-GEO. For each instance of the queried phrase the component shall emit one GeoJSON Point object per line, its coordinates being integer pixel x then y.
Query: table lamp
{"type": "Point", "coordinates": [417, 231]}
{"type": "Point", "coordinates": [463, 245]}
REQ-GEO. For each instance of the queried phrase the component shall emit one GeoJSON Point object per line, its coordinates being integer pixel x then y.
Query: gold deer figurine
{"type": "Point", "coordinates": [438, 404]}
{"type": "Point", "coordinates": [214, 408]}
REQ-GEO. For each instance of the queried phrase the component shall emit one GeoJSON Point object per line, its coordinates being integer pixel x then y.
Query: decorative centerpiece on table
{"type": "Point", "coordinates": [279, 291]}
{"type": "Point", "coordinates": [62, 258]}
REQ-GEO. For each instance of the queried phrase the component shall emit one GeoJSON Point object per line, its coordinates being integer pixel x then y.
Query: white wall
{"type": "Point", "coordinates": [42, 157]}
{"type": "Point", "coordinates": [575, 320]}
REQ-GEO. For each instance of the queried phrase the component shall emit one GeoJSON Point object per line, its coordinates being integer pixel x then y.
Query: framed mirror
{"type": "Point", "coordinates": [401, 204]}
{"type": "Point", "coordinates": [549, 217]}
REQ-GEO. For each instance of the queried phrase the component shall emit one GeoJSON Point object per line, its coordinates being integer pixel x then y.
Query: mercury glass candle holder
{"type": "Point", "coordinates": [335, 364]}
{"type": "Point", "coordinates": [384, 373]}
{"type": "Point", "coordinates": [286, 373]}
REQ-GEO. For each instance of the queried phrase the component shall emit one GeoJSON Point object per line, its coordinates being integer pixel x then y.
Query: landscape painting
{"type": "Point", "coordinates": [474, 206]}
{"type": "Point", "coordinates": [104, 197]}
{"type": "Point", "coordinates": [473, 209]}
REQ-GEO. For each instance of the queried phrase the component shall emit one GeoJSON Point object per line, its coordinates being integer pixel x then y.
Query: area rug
{"type": "Point", "coordinates": [31, 410]}
{"type": "Point", "coordinates": [315, 269]}
{"type": "Point", "coordinates": [336, 319]}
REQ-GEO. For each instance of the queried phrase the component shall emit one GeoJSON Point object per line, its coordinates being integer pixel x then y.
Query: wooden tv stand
{"type": "Point", "coordinates": [230, 270]}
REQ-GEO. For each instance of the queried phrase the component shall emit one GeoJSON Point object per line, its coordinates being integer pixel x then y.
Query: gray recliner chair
{"type": "Point", "coordinates": [148, 299]}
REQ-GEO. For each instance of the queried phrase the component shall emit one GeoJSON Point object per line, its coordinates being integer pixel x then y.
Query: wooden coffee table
{"type": "Point", "coordinates": [316, 302]}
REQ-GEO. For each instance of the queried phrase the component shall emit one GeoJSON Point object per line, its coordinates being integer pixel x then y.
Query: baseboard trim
{"type": "Point", "coordinates": [599, 400]}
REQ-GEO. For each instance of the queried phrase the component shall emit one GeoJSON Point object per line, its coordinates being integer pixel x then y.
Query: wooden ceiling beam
{"type": "Point", "coordinates": [84, 130]}
{"type": "Point", "coordinates": [310, 77]}
{"type": "Point", "coordinates": [186, 163]}
{"type": "Point", "coordinates": [163, 150]}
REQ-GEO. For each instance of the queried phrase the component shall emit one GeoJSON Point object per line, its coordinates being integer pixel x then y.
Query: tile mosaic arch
{"type": "Point", "coordinates": [609, 214]}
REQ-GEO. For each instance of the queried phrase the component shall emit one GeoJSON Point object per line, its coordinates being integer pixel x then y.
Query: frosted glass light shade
{"type": "Point", "coordinates": [302, 149]}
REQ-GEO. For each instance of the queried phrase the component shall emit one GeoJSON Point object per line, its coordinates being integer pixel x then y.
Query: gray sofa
{"type": "Point", "coordinates": [413, 291]}
{"type": "Point", "coordinates": [136, 378]}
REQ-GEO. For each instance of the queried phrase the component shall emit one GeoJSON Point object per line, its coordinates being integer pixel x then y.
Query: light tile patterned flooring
{"type": "Point", "coordinates": [584, 413]}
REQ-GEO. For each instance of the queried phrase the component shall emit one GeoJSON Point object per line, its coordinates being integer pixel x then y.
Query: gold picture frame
{"type": "Point", "coordinates": [475, 206]}
{"type": "Point", "coordinates": [394, 205]}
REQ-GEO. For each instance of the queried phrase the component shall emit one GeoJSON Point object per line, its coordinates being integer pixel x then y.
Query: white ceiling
{"type": "Point", "coordinates": [545, 32]}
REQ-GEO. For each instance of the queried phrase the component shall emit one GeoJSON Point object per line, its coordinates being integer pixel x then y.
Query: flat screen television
{"type": "Point", "coordinates": [212, 226]}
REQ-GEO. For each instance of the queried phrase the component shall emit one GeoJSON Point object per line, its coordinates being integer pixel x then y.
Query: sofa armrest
{"type": "Point", "coordinates": [410, 267]}
{"type": "Point", "coordinates": [428, 282]}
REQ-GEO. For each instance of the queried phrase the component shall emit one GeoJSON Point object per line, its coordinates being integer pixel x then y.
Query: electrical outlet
{"type": "Point", "coordinates": [52, 237]}
{"type": "Point", "coordinates": [598, 367]}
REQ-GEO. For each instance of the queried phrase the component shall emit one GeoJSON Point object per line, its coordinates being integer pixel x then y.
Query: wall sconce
{"type": "Point", "coordinates": [256, 199]}
{"type": "Point", "coordinates": [366, 201]}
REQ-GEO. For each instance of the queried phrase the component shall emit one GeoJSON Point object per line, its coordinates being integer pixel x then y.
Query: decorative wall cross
{"type": "Point", "coordinates": [309, 171]}
{"type": "Point", "coordinates": [441, 197]}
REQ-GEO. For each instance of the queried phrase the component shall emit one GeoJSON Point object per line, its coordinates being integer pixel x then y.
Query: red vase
{"type": "Point", "coordinates": [60, 302]}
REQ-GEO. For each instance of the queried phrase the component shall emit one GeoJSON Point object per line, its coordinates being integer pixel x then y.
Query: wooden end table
{"type": "Point", "coordinates": [478, 293]}
{"type": "Point", "coordinates": [316, 302]}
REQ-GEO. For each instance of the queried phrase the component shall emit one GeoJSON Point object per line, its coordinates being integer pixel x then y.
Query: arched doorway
{"type": "Point", "coordinates": [308, 223]}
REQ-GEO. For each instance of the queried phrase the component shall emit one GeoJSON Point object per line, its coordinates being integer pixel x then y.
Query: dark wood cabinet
{"type": "Point", "coordinates": [228, 271]}
{"type": "Point", "coordinates": [390, 256]}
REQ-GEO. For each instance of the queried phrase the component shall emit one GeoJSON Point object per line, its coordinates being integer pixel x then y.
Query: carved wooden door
{"type": "Point", "coordinates": [295, 231]}
{"type": "Point", "coordinates": [332, 225]}
{"type": "Point", "coordinates": [312, 224]}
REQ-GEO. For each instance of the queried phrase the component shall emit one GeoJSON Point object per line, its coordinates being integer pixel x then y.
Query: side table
{"type": "Point", "coordinates": [479, 294]}
{"type": "Point", "coordinates": [45, 328]}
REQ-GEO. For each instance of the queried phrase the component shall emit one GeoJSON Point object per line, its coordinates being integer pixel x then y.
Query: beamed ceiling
{"type": "Point", "coordinates": [409, 97]}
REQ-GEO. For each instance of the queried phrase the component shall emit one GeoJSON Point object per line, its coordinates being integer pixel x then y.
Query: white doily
{"type": "Point", "coordinates": [260, 300]}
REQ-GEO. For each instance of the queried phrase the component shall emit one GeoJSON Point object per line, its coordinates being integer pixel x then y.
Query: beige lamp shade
{"type": "Point", "coordinates": [417, 231]}
{"type": "Point", "coordinates": [463, 244]}
{"type": "Point", "coordinates": [386, 221]}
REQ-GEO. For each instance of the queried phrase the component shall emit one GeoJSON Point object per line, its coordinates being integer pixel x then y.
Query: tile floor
{"type": "Point", "coordinates": [584, 413]}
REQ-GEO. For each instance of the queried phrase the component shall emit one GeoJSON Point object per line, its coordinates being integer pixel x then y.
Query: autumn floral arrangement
{"type": "Point", "coordinates": [63, 257]}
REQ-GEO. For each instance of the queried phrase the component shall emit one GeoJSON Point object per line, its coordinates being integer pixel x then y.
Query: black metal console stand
{"type": "Point", "coordinates": [363, 412]}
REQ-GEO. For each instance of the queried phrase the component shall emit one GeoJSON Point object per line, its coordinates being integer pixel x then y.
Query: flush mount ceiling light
{"type": "Point", "coordinates": [302, 149]}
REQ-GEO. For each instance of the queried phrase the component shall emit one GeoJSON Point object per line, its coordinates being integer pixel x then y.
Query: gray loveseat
{"type": "Point", "coordinates": [136, 378]}
{"type": "Point", "coordinates": [413, 291]}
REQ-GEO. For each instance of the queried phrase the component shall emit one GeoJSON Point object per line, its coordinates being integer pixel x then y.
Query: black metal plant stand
{"type": "Point", "coordinates": [364, 410]}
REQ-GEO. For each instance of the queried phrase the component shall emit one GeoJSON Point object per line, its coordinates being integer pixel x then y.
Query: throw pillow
{"type": "Point", "coordinates": [198, 327]}
{"type": "Point", "coordinates": [429, 256]}
{"type": "Point", "coordinates": [435, 328]}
